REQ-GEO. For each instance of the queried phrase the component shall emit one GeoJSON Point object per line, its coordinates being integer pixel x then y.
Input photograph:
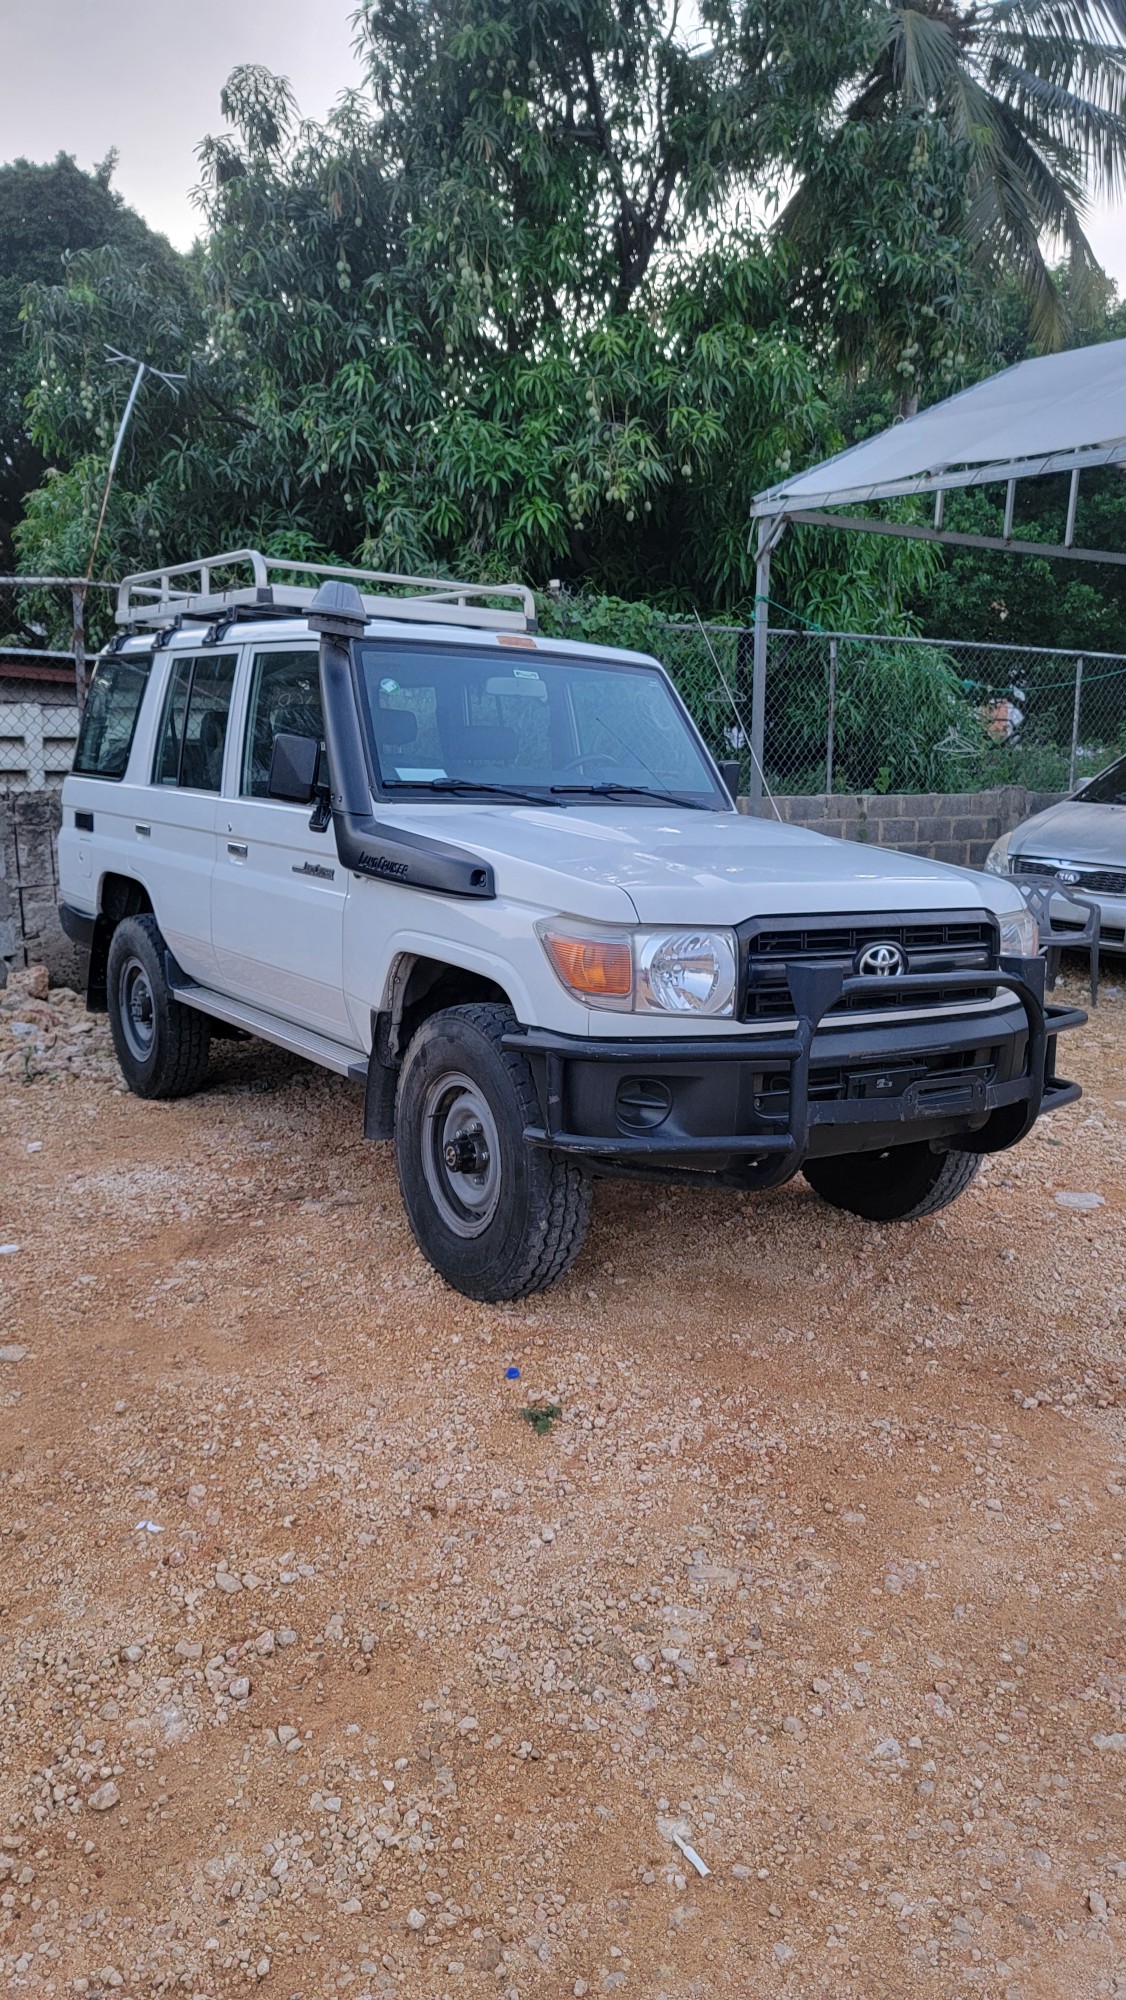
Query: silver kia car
{"type": "Point", "coordinates": [1079, 844]}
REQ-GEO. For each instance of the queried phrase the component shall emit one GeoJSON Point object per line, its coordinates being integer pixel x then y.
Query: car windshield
{"type": "Point", "coordinates": [521, 721]}
{"type": "Point", "coordinates": [1108, 789]}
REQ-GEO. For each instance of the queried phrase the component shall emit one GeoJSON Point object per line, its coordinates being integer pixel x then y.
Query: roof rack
{"type": "Point", "coordinates": [160, 597]}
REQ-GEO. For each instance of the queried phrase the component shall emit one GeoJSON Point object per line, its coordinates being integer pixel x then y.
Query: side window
{"type": "Point", "coordinates": [285, 698]}
{"type": "Point", "coordinates": [110, 716]}
{"type": "Point", "coordinates": [193, 730]}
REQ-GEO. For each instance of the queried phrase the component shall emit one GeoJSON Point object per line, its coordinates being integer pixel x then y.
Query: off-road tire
{"type": "Point", "coordinates": [533, 1207]}
{"type": "Point", "coordinates": [897, 1185]}
{"type": "Point", "coordinates": [161, 1046]}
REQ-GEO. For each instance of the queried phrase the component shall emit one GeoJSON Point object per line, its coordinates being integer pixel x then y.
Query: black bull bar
{"type": "Point", "coordinates": [775, 1152]}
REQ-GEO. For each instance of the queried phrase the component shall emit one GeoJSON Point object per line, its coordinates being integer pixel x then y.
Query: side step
{"type": "Point", "coordinates": [306, 1042]}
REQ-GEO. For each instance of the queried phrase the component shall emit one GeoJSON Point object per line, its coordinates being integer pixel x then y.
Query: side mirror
{"type": "Point", "coordinates": [731, 771]}
{"type": "Point", "coordinates": [293, 768]}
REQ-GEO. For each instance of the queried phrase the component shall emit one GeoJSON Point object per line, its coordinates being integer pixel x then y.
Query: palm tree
{"type": "Point", "coordinates": [1033, 92]}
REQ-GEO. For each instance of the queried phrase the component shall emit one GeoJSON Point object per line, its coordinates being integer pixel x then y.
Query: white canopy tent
{"type": "Point", "coordinates": [1058, 413]}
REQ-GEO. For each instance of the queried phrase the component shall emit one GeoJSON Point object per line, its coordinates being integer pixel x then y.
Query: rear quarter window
{"type": "Point", "coordinates": [109, 718]}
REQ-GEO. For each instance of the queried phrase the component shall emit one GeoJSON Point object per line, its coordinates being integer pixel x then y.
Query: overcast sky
{"type": "Point", "coordinates": [144, 75]}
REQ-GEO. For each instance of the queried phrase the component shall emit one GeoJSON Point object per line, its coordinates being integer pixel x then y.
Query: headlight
{"type": "Point", "coordinates": [1020, 934]}
{"type": "Point", "coordinates": [645, 972]}
{"type": "Point", "coordinates": [685, 972]}
{"type": "Point", "coordinates": [997, 859]}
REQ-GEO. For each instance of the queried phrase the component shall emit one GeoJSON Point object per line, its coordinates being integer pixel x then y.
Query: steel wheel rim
{"type": "Point", "coordinates": [136, 1009]}
{"type": "Point", "coordinates": [461, 1154]}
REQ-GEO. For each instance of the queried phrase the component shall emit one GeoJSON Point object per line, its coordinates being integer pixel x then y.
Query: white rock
{"type": "Point", "coordinates": [13, 1353]}
{"type": "Point", "coordinates": [467, 1724]}
{"type": "Point", "coordinates": [888, 1746]}
{"type": "Point", "coordinates": [416, 1920]}
{"type": "Point", "coordinates": [107, 1795]}
{"type": "Point", "coordinates": [225, 1581]}
{"type": "Point", "coordinates": [783, 1952]}
{"type": "Point", "coordinates": [1115, 1741]}
{"type": "Point", "coordinates": [239, 1688]}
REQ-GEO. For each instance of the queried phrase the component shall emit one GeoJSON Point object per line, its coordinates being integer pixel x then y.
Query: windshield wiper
{"type": "Point", "coordinates": [607, 789]}
{"type": "Point", "coordinates": [523, 792]}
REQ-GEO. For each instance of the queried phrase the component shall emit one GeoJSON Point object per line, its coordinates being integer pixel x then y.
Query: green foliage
{"type": "Point", "coordinates": [508, 314]}
{"type": "Point", "coordinates": [47, 214]}
{"type": "Point", "coordinates": [1019, 111]}
{"type": "Point", "coordinates": [540, 1416]}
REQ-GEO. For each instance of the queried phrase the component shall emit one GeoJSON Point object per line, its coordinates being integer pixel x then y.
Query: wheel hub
{"type": "Point", "coordinates": [468, 1153]}
{"type": "Point", "coordinates": [461, 1154]}
{"type": "Point", "coordinates": [137, 1009]}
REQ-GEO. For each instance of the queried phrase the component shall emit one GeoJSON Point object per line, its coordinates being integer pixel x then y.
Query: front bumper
{"type": "Point", "coordinates": [746, 1110]}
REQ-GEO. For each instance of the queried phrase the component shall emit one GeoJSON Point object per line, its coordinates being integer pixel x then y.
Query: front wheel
{"type": "Point", "coordinates": [497, 1218]}
{"type": "Point", "coordinates": [898, 1185]}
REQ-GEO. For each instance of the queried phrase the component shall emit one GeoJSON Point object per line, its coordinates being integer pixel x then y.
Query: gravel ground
{"type": "Point", "coordinates": [321, 1667]}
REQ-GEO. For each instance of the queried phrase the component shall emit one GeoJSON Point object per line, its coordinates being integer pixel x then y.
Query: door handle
{"type": "Point", "coordinates": [238, 848]}
{"type": "Point", "coordinates": [138, 828]}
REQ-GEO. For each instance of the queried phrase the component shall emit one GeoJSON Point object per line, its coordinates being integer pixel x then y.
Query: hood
{"type": "Point", "coordinates": [1075, 831]}
{"type": "Point", "coordinates": [666, 865]}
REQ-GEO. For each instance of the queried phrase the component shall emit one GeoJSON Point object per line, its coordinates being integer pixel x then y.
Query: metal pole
{"type": "Point", "coordinates": [114, 456]}
{"type": "Point", "coordinates": [767, 535]}
{"type": "Point", "coordinates": [832, 716]}
{"type": "Point", "coordinates": [1075, 723]}
{"type": "Point", "coordinates": [78, 641]}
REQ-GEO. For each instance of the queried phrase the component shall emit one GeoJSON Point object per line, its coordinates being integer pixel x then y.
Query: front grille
{"type": "Point", "coordinates": [954, 941]}
{"type": "Point", "coordinates": [1090, 881]}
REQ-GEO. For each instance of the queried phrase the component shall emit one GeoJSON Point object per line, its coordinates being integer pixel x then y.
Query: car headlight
{"type": "Point", "coordinates": [645, 972]}
{"type": "Point", "coordinates": [1020, 934]}
{"type": "Point", "coordinates": [685, 972]}
{"type": "Point", "coordinates": [997, 859]}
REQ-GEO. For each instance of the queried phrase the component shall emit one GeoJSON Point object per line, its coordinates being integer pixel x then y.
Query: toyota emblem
{"type": "Point", "coordinates": [880, 961]}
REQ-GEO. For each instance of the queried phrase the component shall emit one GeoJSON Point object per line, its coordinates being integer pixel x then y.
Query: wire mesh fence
{"type": "Point", "coordinates": [851, 712]}
{"type": "Point", "coordinates": [845, 712]}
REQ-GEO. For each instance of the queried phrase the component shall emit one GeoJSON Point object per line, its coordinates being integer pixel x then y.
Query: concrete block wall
{"type": "Point", "coordinates": [944, 826]}
{"type": "Point", "coordinates": [30, 932]}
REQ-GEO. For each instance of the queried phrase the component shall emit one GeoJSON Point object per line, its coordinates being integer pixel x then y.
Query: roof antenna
{"type": "Point", "coordinates": [747, 738]}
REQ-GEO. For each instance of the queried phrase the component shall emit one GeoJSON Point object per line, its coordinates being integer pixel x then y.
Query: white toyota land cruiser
{"type": "Point", "coordinates": [497, 878]}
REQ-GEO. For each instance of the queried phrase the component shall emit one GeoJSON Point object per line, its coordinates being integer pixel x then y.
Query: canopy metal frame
{"type": "Point", "coordinates": [774, 515]}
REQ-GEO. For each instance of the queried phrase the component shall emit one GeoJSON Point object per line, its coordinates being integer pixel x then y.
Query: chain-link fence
{"type": "Point", "coordinates": [848, 712]}
{"type": "Point", "coordinates": [845, 712]}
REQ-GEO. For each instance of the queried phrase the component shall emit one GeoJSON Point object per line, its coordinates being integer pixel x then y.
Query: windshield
{"type": "Point", "coordinates": [1108, 789]}
{"type": "Point", "coordinates": [526, 723]}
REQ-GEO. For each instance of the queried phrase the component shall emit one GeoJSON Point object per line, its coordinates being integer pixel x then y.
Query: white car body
{"type": "Point", "coordinates": [620, 976]}
{"type": "Point", "coordinates": [321, 952]}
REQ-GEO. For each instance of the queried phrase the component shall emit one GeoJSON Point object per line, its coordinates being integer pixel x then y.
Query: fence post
{"type": "Point", "coordinates": [1075, 723]}
{"type": "Point", "coordinates": [78, 641]}
{"type": "Point", "coordinates": [832, 715]}
{"type": "Point", "coordinates": [769, 533]}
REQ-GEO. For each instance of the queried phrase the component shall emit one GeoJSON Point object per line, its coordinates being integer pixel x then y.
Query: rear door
{"type": "Point", "coordinates": [174, 825]}
{"type": "Point", "coordinates": [277, 903]}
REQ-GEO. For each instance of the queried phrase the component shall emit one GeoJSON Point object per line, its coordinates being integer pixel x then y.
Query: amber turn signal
{"type": "Point", "coordinates": [602, 967]}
